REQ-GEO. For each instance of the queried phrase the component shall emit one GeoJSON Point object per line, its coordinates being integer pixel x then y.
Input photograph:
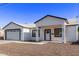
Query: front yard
{"type": "Point", "coordinates": [48, 49]}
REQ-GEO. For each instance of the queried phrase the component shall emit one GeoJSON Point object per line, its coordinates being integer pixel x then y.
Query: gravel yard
{"type": "Point", "coordinates": [48, 49]}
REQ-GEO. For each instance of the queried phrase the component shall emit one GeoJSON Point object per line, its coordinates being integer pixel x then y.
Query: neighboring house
{"type": "Point", "coordinates": [48, 28]}
{"type": "Point", "coordinates": [1, 34]}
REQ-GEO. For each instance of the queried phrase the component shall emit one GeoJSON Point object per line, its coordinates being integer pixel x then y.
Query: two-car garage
{"type": "Point", "coordinates": [13, 34]}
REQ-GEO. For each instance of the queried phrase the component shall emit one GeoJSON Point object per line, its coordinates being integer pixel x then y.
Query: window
{"type": "Point", "coordinates": [39, 33]}
{"type": "Point", "coordinates": [12, 30]}
{"type": "Point", "coordinates": [33, 33]}
{"type": "Point", "coordinates": [58, 32]}
{"type": "Point", "coordinates": [78, 29]}
{"type": "Point", "coordinates": [47, 31]}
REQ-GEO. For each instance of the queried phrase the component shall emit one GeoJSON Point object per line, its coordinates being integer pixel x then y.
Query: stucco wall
{"type": "Point", "coordinates": [12, 26]}
{"type": "Point", "coordinates": [50, 21]}
{"type": "Point", "coordinates": [26, 34]}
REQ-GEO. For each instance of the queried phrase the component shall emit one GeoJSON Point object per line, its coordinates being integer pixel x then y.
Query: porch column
{"type": "Point", "coordinates": [65, 33]}
{"type": "Point", "coordinates": [37, 37]}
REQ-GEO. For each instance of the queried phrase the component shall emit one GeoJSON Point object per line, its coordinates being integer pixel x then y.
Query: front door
{"type": "Point", "coordinates": [47, 34]}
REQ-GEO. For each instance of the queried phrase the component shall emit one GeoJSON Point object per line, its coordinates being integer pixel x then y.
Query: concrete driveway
{"type": "Point", "coordinates": [9, 42]}
{"type": "Point", "coordinates": [5, 42]}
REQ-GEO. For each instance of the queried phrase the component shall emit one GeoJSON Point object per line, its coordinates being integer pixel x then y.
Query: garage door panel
{"type": "Point", "coordinates": [13, 34]}
{"type": "Point", "coordinates": [71, 33]}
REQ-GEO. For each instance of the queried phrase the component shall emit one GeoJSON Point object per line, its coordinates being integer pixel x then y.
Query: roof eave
{"type": "Point", "coordinates": [16, 24]}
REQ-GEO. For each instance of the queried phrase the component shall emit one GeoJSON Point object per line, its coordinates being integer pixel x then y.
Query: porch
{"type": "Point", "coordinates": [54, 33]}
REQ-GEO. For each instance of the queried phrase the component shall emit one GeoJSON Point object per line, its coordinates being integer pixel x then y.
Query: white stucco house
{"type": "Point", "coordinates": [48, 28]}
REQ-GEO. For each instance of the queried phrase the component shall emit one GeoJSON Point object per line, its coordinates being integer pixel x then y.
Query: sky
{"type": "Point", "coordinates": [31, 12]}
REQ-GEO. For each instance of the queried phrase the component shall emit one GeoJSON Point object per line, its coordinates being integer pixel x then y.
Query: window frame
{"type": "Point", "coordinates": [58, 32]}
{"type": "Point", "coordinates": [33, 33]}
{"type": "Point", "coordinates": [39, 32]}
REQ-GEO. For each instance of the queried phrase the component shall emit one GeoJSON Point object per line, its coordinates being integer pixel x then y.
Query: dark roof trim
{"type": "Point", "coordinates": [50, 16]}
{"type": "Point", "coordinates": [15, 24]}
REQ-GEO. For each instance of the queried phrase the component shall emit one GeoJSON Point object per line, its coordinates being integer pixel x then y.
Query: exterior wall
{"type": "Point", "coordinates": [12, 26]}
{"type": "Point", "coordinates": [22, 35]}
{"type": "Point", "coordinates": [49, 21]}
{"type": "Point", "coordinates": [4, 35]}
{"type": "Point", "coordinates": [72, 33]}
{"type": "Point", "coordinates": [41, 34]}
{"type": "Point", "coordinates": [26, 34]}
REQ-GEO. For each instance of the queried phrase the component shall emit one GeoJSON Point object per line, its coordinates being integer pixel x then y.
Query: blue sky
{"type": "Point", "coordinates": [30, 12]}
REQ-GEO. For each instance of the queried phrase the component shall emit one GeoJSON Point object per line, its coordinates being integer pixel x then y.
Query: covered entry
{"type": "Point", "coordinates": [13, 34]}
{"type": "Point", "coordinates": [52, 33]}
{"type": "Point", "coordinates": [51, 28]}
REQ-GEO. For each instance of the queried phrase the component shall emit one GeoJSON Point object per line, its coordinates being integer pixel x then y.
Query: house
{"type": "Point", "coordinates": [13, 31]}
{"type": "Point", "coordinates": [56, 29]}
{"type": "Point", "coordinates": [48, 28]}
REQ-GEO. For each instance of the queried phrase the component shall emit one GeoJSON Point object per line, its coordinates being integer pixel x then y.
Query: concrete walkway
{"type": "Point", "coordinates": [9, 41]}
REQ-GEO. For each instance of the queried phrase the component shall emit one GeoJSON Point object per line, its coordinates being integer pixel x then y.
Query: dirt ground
{"type": "Point", "coordinates": [49, 49]}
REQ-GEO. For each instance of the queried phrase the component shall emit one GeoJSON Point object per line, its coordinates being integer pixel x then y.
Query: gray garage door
{"type": "Point", "coordinates": [71, 33]}
{"type": "Point", "coordinates": [13, 34]}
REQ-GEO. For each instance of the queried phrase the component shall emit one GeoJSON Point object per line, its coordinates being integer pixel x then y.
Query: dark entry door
{"type": "Point", "coordinates": [47, 34]}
